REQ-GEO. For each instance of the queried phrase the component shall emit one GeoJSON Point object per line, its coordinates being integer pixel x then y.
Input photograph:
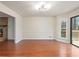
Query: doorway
{"type": "Point", "coordinates": [74, 30]}
{"type": "Point", "coordinates": [3, 28]}
{"type": "Point", "coordinates": [7, 27]}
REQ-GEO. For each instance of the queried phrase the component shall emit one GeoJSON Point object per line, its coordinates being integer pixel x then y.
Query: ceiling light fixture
{"type": "Point", "coordinates": [42, 6]}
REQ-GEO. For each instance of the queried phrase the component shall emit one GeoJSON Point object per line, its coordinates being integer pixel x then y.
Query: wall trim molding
{"type": "Point", "coordinates": [38, 39]}
{"type": "Point", "coordinates": [11, 39]}
{"type": "Point", "coordinates": [61, 40]}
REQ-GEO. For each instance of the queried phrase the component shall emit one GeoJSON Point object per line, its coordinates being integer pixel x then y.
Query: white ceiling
{"type": "Point", "coordinates": [26, 8]}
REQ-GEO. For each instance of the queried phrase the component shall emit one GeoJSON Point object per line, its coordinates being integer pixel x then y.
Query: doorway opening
{"type": "Point", "coordinates": [74, 31]}
{"type": "Point", "coordinates": [7, 27]}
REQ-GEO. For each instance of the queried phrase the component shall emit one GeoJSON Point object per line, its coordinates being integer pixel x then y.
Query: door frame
{"type": "Point", "coordinates": [71, 30]}
{"type": "Point", "coordinates": [5, 26]}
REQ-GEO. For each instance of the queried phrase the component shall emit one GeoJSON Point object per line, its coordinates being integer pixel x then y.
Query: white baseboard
{"type": "Point", "coordinates": [11, 39]}
{"type": "Point", "coordinates": [38, 39]}
{"type": "Point", "coordinates": [61, 40]}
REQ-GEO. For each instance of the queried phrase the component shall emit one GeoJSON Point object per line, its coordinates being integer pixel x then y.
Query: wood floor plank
{"type": "Point", "coordinates": [38, 48]}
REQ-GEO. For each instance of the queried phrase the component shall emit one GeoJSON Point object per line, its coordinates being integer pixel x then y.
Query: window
{"type": "Point", "coordinates": [63, 29]}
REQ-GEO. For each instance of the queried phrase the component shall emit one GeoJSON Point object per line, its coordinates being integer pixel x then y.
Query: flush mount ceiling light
{"type": "Point", "coordinates": [43, 6]}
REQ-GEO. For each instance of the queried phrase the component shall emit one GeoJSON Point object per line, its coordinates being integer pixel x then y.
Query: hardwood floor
{"type": "Point", "coordinates": [38, 48]}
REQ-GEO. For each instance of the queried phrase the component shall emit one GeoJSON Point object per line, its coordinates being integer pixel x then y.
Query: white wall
{"type": "Point", "coordinates": [66, 17]}
{"type": "Point", "coordinates": [11, 28]}
{"type": "Point", "coordinates": [39, 27]}
{"type": "Point", "coordinates": [18, 21]}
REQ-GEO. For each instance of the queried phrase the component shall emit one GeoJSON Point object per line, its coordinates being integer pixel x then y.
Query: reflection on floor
{"type": "Point", "coordinates": [37, 48]}
{"type": "Point", "coordinates": [75, 43]}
